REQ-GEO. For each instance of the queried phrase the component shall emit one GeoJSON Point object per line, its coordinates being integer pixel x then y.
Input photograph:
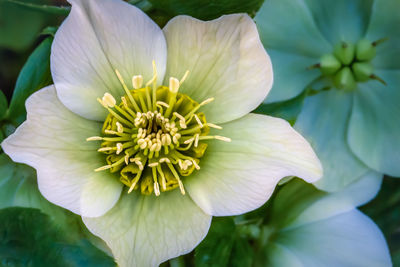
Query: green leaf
{"type": "Point", "coordinates": [3, 105]}
{"type": "Point", "coordinates": [34, 75]}
{"type": "Point", "coordinates": [29, 238]}
{"type": "Point", "coordinates": [384, 210]}
{"type": "Point", "coordinates": [226, 244]}
{"type": "Point", "coordinates": [19, 27]}
{"type": "Point", "coordinates": [242, 254]}
{"type": "Point", "coordinates": [216, 248]}
{"type": "Point", "coordinates": [18, 187]}
{"type": "Point", "coordinates": [58, 10]}
{"type": "Point", "coordinates": [287, 110]}
{"type": "Point", "coordinates": [206, 9]}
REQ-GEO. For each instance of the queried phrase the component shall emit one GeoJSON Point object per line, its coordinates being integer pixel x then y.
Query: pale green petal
{"type": "Point", "coordinates": [289, 33]}
{"type": "Point", "coordinates": [341, 20]}
{"type": "Point", "coordinates": [289, 26]}
{"type": "Point", "coordinates": [148, 230]}
{"type": "Point", "coordinates": [384, 24]}
{"type": "Point", "coordinates": [291, 75]}
{"type": "Point", "coordinates": [347, 239]}
{"type": "Point", "coordinates": [374, 127]}
{"type": "Point", "coordinates": [323, 121]}
{"type": "Point", "coordinates": [98, 37]}
{"type": "Point", "coordinates": [53, 141]}
{"type": "Point", "coordinates": [277, 255]}
{"type": "Point", "coordinates": [240, 176]}
{"type": "Point", "coordinates": [226, 61]}
{"type": "Point", "coordinates": [354, 195]}
{"type": "Point", "coordinates": [321, 229]}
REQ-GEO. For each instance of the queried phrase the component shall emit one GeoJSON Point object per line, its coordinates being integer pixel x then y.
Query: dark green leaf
{"type": "Point", "coordinates": [34, 75]}
{"type": "Point", "coordinates": [58, 10]}
{"type": "Point", "coordinates": [216, 248]}
{"type": "Point", "coordinates": [384, 210]}
{"type": "Point", "coordinates": [287, 110]}
{"type": "Point", "coordinates": [18, 187]}
{"type": "Point", "coordinates": [3, 105]}
{"type": "Point", "coordinates": [227, 244]}
{"type": "Point", "coordinates": [207, 9]}
{"type": "Point", "coordinates": [242, 254]}
{"type": "Point", "coordinates": [29, 238]}
{"type": "Point", "coordinates": [19, 27]}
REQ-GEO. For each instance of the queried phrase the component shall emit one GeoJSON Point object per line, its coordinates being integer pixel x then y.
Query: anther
{"type": "Point", "coordinates": [108, 100]}
{"type": "Point", "coordinates": [120, 128]}
{"type": "Point", "coordinates": [140, 164]}
{"type": "Point", "coordinates": [132, 186]}
{"type": "Point", "coordinates": [161, 103]}
{"type": "Point", "coordinates": [223, 138]}
{"type": "Point", "coordinates": [173, 84]}
{"type": "Point", "coordinates": [181, 187]}
{"type": "Point", "coordinates": [196, 165]}
{"type": "Point", "coordinates": [154, 164]}
{"type": "Point", "coordinates": [126, 159]}
{"type": "Point", "coordinates": [198, 120]}
{"type": "Point", "coordinates": [189, 141]}
{"type": "Point", "coordinates": [207, 101]}
{"type": "Point", "coordinates": [104, 149]}
{"type": "Point", "coordinates": [106, 167]}
{"type": "Point", "coordinates": [212, 125]}
{"type": "Point", "coordinates": [137, 81]}
{"type": "Point", "coordinates": [165, 160]}
{"type": "Point", "coordinates": [156, 189]}
{"type": "Point", "coordinates": [119, 148]}
{"type": "Point", "coordinates": [94, 138]}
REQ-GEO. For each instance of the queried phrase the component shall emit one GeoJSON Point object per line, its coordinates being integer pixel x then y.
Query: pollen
{"type": "Point", "coordinates": [155, 137]}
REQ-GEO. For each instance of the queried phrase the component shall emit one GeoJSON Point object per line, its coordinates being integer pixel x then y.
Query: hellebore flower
{"type": "Point", "coordinates": [346, 52]}
{"type": "Point", "coordinates": [308, 227]}
{"type": "Point", "coordinates": [145, 158]}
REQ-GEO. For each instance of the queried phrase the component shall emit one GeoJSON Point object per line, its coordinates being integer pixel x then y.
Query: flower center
{"type": "Point", "coordinates": [155, 136]}
{"type": "Point", "coordinates": [350, 63]}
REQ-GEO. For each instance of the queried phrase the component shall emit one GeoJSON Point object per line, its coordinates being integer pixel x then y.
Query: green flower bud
{"type": "Point", "coordinates": [344, 79]}
{"type": "Point", "coordinates": [365, 50]}
{"type": "Point", "coordinates": [362, 71]}
{"type": "Point", "coordinates": [329, 64]}
{"type": "Point", "coordinates": [345, 52]}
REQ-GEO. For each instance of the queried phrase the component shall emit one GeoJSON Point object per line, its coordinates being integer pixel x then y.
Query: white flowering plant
{"type": "Point", "coordinates": [145, 121]}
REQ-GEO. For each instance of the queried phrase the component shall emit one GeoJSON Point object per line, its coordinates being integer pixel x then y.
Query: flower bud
{"type": "Point", "coordinates": [365, 50]}
{"type": "Point", "coordinates": [344, 79]}
{"type": "Point", "coordinates": [344, 52]}
{"type": "Point", "coordinates": [329, 64]}
{"type": "Point", "coordinates": [362, 71]}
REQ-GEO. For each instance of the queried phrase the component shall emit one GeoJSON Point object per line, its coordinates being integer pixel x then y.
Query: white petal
{"type": "Point", "coordinates": [97, 38]}
{"type": "Point", "coordinates": [240, 176]}
{"type": "Point", "coordinates": [147, 230]}
{"type": "Point", "coordinates": [348, 239]}
{"type": "Point", "coordinates": [53, 141]}
{"type": "Point", "coordinates": [226, 61]}
{"type": "Point", "coordinates": [356, 194]}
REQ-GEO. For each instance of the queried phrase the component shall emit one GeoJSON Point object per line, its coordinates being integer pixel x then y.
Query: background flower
{"type": "Point", "coordinates": [351, 131]}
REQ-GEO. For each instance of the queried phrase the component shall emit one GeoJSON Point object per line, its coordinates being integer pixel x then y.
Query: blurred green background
{"type": "Point", "coordinates": [28, 25]}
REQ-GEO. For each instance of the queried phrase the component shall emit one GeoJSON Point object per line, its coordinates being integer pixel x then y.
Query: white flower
{"type": "Point", "coordinates": [122, 180]}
